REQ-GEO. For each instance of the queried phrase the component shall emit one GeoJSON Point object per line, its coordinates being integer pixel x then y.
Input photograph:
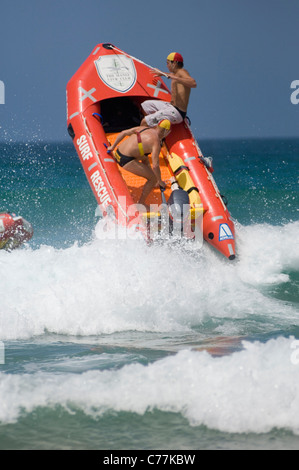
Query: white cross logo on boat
{"type": "Point", "coordinates": [157, 89]}
{"type": "Point", "coordinates": [87, 94]}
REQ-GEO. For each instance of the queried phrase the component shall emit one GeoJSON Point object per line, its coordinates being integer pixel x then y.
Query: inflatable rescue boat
{"type": "Point", "coordinates": [14, 231]}
{"type": "Point", "coordinates": [104, 97]}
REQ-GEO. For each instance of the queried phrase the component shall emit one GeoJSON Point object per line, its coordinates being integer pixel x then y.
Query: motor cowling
{"type": "Point", "coordinates": [178, 207]}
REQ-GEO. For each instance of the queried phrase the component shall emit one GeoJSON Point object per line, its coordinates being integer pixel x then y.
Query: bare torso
{"type": "Point", "coordinates": [130, 147]}
{"type": "Point", "coordinates": [180, 93]}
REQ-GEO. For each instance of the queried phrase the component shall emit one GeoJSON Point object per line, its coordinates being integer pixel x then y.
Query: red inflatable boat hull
{"type": "Point", "coordinates": [104, 97]}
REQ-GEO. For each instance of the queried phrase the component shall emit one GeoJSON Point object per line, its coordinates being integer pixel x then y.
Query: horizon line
{"type": "Point", "coordinates": [69, 140]}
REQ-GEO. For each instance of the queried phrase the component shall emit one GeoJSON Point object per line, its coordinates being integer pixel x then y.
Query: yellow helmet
{"type": "Point", "coordinates": [165, 124]}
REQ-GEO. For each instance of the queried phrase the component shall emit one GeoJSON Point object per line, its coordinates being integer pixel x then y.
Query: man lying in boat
{"type": "Point", "coordinates": [132, 153]}
{"type": "Point", "coordinates": [181, 84]}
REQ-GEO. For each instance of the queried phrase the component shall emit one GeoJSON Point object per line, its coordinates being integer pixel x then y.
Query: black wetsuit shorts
{"type": "Point", "coordinates": [122, 159]}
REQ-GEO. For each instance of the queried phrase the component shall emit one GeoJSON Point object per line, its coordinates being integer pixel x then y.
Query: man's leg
{"type": "Point", "coordinates": [156, 110]}
{"type": "Point", "coordinates": [140, 169]}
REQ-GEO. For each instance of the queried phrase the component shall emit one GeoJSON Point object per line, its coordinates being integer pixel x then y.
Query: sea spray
{"type": "Point", "coordinates": [106, 286]}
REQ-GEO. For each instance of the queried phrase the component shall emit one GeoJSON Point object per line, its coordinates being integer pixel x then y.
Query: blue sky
{"type": "Point", "coordinates": [243, 54]}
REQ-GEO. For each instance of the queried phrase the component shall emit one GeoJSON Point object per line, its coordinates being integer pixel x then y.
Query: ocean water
{"type": "Point", "coordinates": [111, 344]}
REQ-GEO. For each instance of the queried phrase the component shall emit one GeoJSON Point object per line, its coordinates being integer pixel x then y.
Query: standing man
{"type": "Point", "coordinates": [181, 84]}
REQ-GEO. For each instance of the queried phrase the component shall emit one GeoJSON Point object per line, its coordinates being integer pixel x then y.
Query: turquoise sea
{"type": "Point", "coordinates": [111, 344]}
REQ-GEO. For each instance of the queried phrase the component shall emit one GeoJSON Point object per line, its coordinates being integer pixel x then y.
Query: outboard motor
{"type": "Point", "coordinates": [179, 209]}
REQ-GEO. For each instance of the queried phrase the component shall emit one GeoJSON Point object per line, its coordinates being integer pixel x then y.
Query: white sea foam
{"type": "Point", "coordinates": [254, 390]}
{"type": "Point", "coordinates": [267, 251]}
{"type": "Point", "coordinates": [108, 286]}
